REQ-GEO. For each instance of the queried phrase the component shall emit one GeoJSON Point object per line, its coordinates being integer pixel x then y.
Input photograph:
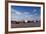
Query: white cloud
{"type": "Point", "coordinates": [31, 17]}
{"type": "Point", "coordinates": [26, 12]}
{"type": "Point", "coordinates": [18, 13]}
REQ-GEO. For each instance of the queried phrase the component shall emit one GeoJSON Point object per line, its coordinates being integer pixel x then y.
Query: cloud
{"type": "Point", "coordinates": [35, 14]}
{"type": "Point", "coordinates": [20, 18]}
{"type": "Point", "coordinates": [26, 12]}
{"type": "Point", "coordinates": [34, 10]}
{"type": "Point", "coordinates": [18, 13]}
{"type": "Point", "coordinates": [21, 15]}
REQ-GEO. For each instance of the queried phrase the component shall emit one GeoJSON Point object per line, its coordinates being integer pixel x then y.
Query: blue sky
{"type": "Point", "coordinates": [25, 13]}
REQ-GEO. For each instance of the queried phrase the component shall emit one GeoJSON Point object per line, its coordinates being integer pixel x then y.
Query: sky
{"type": "Point", "coordinates": [20, 13]}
